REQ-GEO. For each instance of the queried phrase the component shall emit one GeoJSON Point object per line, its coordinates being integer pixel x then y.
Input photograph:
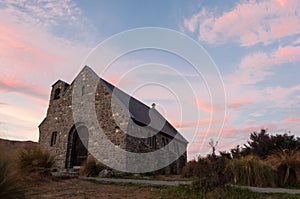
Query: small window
{"type": "Point", "coordinates": [53, 139]}
{"type": "Point", "coordinates": [83, 90]}
{"type": "Point", "coordinates": [56, 93]}
{"type": "Point", "coordinates": [154, 142]}
{"type": "Point", "coordinates": [163, 141]}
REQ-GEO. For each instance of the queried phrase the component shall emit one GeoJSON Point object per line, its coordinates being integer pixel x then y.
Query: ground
{"type": "Point", "coordinates": [76, 188]}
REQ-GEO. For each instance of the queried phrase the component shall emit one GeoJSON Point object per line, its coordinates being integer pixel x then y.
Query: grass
{"type": "Point", "coordinates": [92, 168]}
{"type": "Point", "coordinates": [8, 179]}
{"type": "Point", "coordinates": [185, 191]}
{"type": "Point", "coordinates": [287, 164]}
{"type": "Point", "coordinates": [35, 160]}
{"type": "Point", "coordinates": [251, 171]}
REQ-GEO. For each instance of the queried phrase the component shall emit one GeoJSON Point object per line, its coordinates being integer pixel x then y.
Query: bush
{"type": "Point", "coordinates": [287, 164]}
{"type": "Point", "coordinates": [35, 160]}
{"type": "Point", "coordinates": [210, 174]}
{"type": "Point", "coordinates": [250, 171]}
{"type": "Point", "coordinates": [191, 169]}
{"type": "Point", "coordinates": [92, 168]}
{"type": "Point", "coordinates": [8, 179]}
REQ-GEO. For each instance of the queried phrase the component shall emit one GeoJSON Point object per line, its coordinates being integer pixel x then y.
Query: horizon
{"type": "Point", "coordinates": [254, 44]}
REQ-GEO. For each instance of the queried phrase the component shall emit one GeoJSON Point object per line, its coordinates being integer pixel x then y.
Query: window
{"type": "Point", "coordinates": [163, 141]}
{"type": "Point", "coordinates": [83, 90]}
{"type": "Point", "coordinates": [56, 93]}
{"type": "Point", "coordinates": [53, 138]}
{"type": "Point", "coordinates": [154, 142]}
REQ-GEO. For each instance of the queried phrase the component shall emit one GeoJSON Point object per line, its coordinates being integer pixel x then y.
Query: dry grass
{"type": "Point", "coordinates": [250, 171]}
{"type": "Point", "coordinates": [287, 164]}
{"type": "Point", "coordinates": [92, 168]}
{"type": "Point", "coordinates": [35, 160]}
{"type": "Point", "coordinates": [9, 187]}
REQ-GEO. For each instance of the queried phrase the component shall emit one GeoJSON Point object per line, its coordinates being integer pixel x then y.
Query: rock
{"type": "Point", "coordinates": [105, 173]}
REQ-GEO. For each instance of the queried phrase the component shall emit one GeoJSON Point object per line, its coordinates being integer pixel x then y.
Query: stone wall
{"type": "Point", "coordinates": [113, 118]}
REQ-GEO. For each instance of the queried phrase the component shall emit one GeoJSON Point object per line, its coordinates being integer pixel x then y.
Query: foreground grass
{"type": "Point", "coordinates": [76, 188]}
{"type": "Point", "coordinates": [228, 192]}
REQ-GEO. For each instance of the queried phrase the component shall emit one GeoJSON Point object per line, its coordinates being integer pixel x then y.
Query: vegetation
{"type": "Point", "coordinates": [287, 164]}
{"type": "Point", "coordinates": [8, 178]}
{"type": "Point", "coordinates": [263, 145]}
{"type": "Point", "coordinates": [92, 168]}
{"type": "Point", "coordinates": [250, 171]}
{"type": "Point", "coordinates": [265, 161]}
{"type": "Point", "coordinates": [35, 161]}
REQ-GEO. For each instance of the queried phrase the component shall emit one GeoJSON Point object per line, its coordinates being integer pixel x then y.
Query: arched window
{"type": "Point", "coordinates": [56, 93]}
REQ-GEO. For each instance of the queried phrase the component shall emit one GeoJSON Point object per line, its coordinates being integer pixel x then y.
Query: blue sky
{"type": "Point", "coordinates": [255, 45]}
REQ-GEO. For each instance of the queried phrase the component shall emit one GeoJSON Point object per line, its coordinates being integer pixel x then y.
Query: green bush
{"type": "Point", "coordinates": [92, 168]}
{"type": "Point", "coordinates": [35, 160]}
{"type": "Point", "coordinates": [250, 171]}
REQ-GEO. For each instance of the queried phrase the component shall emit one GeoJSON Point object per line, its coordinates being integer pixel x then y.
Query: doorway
{"type": "Point", "coordinates": [77, 146]}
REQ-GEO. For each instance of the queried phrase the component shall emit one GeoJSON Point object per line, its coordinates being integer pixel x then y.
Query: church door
{"type": "Point", "coordinates": [77, 147]}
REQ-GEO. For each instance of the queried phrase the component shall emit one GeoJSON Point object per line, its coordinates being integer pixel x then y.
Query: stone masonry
{"type": "Point", "coordinates": [120, 121]}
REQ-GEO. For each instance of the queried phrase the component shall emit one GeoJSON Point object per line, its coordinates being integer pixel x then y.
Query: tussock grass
{"type": "Point", "coordinates": [92, 168]}
{"type": "Point", "coordinates": [35, 160]}
{"type": "Point", "coordinates": [9, 187]}
{"type": "Point", "coordinates": [287, 164]}
{"type": "Point", "coordinates": [251, 171]}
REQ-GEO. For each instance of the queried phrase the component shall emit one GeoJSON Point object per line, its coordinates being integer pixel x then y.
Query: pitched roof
{"type": "Point", "coordinates": [140, 113]}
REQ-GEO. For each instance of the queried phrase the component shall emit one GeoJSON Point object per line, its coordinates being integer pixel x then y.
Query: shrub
{"type": "Point", "coordinates": [250, 171]}
{"type": "Point", "coordinates": [287, 164]}
{"type": "Point", "coordinates": [35, 160]}
{"type": "Point", "coordinates": [190, 169]}
{"type": "Point", "coordinates": [92, 168]}
{"type": "Point", "coordinates": [209, 173]}
{"type": "Point", "coordinates": [8, 179]}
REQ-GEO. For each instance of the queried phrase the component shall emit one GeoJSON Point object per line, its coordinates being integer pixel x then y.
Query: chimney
{"type": "Point", "coordinates": [153, 105]}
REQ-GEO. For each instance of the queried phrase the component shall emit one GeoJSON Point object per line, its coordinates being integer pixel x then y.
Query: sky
{"type": "Point", "coordinates": [254, 44]}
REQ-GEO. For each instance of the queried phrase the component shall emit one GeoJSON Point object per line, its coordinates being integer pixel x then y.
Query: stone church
{"type": "Point", "coordinates": [70, 140]}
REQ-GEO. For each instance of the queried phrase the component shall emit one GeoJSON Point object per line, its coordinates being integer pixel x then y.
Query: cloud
{"type": "Point", "coordinates": [248, 23]}
{"type": "Point", "coordinates": [292, 120]}
{"type": "Point", "coordinates": [40, 41]}
{"type": "Point", "coordinates": [257, 66]}
{"type": "Point", "coordinates": [9, 84]}
{"type": "Point", "coordinates": [204, 106]}
{"type": "Point", "coordinates": [3, 104]}
{"type": "Point", "coordinates": [202, 123]}
{"type": "Point", "coordinates": [238, 104]}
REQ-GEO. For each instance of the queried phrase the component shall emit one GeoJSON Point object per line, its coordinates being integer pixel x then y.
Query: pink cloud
{"type": "Point", "coordinates": [204, 106]}
{"type": "Point", "coordinates": [192, 124]}
{"type": "Point", "coordinates": [248, 23]}
{"type": "Point", "coordinates": [238, 104]}
{"type": "Point", "coordinates": [292, 120]}
{"type": "Point", "coordinates": [257, 66]}
{"type": "Point", "coordinates": [9, 84]}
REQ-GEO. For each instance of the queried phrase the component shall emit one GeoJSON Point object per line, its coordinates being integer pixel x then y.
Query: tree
{"type": "Point", "coordinates": [213, 145]}
{"type": "Point", "coordinates": [262, 144]}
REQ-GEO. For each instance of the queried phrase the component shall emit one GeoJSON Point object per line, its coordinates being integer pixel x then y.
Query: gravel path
{"type": "Point", "coordinates": [269, 190]}
{"type": "Point", "coordinates": [134, 181]}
